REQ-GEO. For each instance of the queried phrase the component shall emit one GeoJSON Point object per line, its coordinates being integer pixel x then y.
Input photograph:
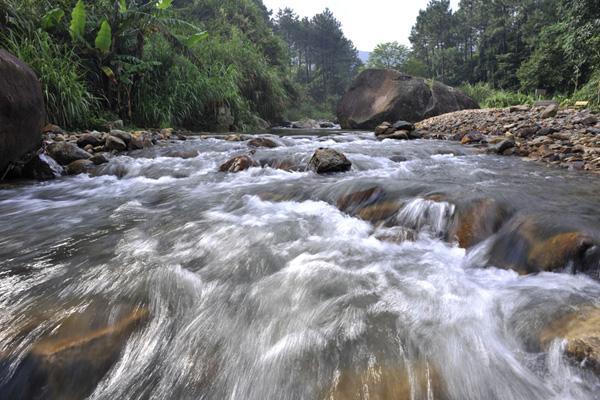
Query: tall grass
{"type": "Point", "coordinates": [177, 92]}
{"type": "Point", "coordinates": [488, 97]}
{"type": "Point", "coordinates": [68, 101]}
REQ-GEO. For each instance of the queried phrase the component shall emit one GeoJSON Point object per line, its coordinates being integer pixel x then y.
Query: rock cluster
{"type": "Point", "coordinates": [567, 138]}
{"type": "Point", "coordinates": [75, 153]}
{"type": "Point", "coordinates": [400, 130]}
{"type": "Point", "coordinates": [323, 161]}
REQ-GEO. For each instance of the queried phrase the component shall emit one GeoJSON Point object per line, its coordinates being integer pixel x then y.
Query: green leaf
{"type": "Point", "coordinates": [164, 4]}
{"type": "Point", "coordinates": [78, 16]}
{"type": "Point", "coordinates": [104, 37]}
{"type": "Point", "coordinates": [52, 18]}
{"type": "Point", "coordinates": [196, 38]}
{"type": "Point", "coordinates": [109, 73]}
{"type": "Point", "coordinates": [123, 6]}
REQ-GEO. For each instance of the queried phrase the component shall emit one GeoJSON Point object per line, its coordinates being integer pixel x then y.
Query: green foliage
{"type": "Point", "coordinates": [196, 38]}
{"type": "Point", "coordinates": [52, 18]}
{"type": "Point", "coordinates": [122, 6]}
{"type": "Point", "coordinates": [78, 21]}
{"type": "Point", "coordinates": [323, 60]}
{"type": "Point", "coordinates": [179, 63]}
{"type": "Point", "coordinates": [391, 55]}
{"type": "Point", "coordinates": [512, 45]}
{"type": "Point", "coordinates": [104, 38]}
{"type": "Point", "coordinates": [590, 91]}
{"type": "Point", "coordinates": [68, 101]}
{"type": "Point", "coordinates": [488, 97]}
{"type": "Point", "coordinates": [164, 4]}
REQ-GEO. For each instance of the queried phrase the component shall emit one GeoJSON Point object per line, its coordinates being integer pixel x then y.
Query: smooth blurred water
{"type": "Point", "coordinates": [258, 287]}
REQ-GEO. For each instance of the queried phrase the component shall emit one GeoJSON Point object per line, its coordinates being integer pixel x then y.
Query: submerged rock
{"type": "Point", "coordinates": [581, 331]}
{"type": "Point", "coordinates": [326, 160]}
{"type": "Point", "coordinates": [379, 212]}
{"type": "Point", "coordinates": [69, 362]}
{"type": "Point", "coordinates": [65, 153]}
{"type": "Point", "coordinates": [529, 246]}
{"type": "Point", "coordinates": [352, 202]}
{"type": "Point", "coordinates": [237, 164]}
{"type": "Point", "coordinates": [387, 382]}
{"type": "Point", "coordinates": [80, 167]}
{"type": "Point", "coordinates": [477, 220]}
{"type": "Point", "coordinates": [262, 142]}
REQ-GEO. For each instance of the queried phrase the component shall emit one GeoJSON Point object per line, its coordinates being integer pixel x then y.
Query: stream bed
{"type": "Point", "coordinates": [162, 278]}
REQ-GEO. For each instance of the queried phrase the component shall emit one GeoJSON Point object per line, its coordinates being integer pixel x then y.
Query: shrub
{"type": "Point", "coordinates": [488, 97]}
{"type": "Point", "coordinates": [68, 101]}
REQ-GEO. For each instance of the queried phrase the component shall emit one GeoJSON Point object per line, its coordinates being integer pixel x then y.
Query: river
{"type": "Point", "coordinates": [254, 285]}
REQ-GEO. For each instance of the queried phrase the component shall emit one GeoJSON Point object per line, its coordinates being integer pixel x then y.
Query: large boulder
{"type": "Point", "coordinates": [379, 95]}
{"type": "Point", "coordinates": [22, 112]}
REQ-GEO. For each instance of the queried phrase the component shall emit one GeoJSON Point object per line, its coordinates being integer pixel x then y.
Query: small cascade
{"type": "Point", "coordinates": [428, 216]}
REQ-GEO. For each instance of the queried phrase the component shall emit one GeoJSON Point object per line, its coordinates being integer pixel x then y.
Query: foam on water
{"type": "Point", "coordinates": [258, 299]}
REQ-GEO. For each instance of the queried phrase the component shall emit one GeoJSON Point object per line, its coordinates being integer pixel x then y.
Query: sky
{"type": "Point", "coordinates": [366, 23]}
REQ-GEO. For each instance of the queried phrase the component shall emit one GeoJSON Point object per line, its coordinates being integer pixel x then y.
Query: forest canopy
{"type": "Point", "coordinates": [200, 64]}
{"type": "Point", "coordinates": [233, 64]}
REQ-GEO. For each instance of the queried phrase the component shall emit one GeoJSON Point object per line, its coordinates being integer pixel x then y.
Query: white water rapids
{"type": "Point", "coordinates": [259, 287]}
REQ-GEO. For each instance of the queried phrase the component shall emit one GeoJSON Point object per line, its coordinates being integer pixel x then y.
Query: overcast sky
{"type": "Point", "coordinates": [366, 23]}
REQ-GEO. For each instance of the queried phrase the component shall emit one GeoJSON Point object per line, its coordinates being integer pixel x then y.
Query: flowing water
{"type": "Point", "coordinates": [256, 286]}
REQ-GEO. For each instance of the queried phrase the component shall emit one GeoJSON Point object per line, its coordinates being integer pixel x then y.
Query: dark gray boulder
{"type": "Point", "coordinates": [379, 95]}
{"type": "Point", "coordinates": [326, 161]}
{"type": "Point", "coordinates": [22, 112]}
{"type": "Point", "coordinates": [42, 167]}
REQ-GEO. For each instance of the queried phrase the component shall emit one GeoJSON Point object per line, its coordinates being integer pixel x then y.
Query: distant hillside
{"type": "Point", "coordinates": [364, 56]}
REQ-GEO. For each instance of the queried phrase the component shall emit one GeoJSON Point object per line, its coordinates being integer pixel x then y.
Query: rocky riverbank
{"type": "Point", "coordinates": [566, 138]}
{"type": "Point", "coordinates": [72, 153]}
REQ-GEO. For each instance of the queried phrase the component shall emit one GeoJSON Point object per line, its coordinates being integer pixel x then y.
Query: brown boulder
{"type": "Point", "coordinates": [529, 246]}
{"type": "Point", "coordinates": [476, 220]}
{"type": "Point", "coordinates": [22, 111]}
{"type": "Point", "coordinates": [379, 95]}
{"type": "Point", "coordinates": [237, 164]}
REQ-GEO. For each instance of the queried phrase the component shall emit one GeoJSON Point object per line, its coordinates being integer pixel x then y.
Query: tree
{"type": "Point", "coordinates": [324, 60]}
{"type": "Point", "coordinates": [391, 55]}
